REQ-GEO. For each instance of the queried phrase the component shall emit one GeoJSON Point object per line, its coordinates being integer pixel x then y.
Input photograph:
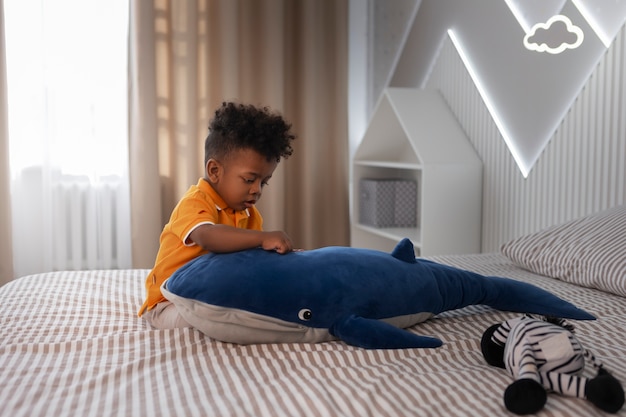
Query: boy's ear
{"type": "Point", "coordinates": [213, 170]}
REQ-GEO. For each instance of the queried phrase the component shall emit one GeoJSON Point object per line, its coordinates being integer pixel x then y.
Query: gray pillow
{"type": "Point", "coordinates": [589, 251]}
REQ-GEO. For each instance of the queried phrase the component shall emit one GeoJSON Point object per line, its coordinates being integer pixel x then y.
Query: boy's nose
{"type": "Point", "coordinates": [256, 188]}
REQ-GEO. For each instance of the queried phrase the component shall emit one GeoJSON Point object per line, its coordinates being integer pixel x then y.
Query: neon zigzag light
{"type": "Point", "coordinates": [508, 139]}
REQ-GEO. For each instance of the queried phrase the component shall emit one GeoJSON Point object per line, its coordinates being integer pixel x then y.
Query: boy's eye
{"type": "Point", "coordinates": [253, 180]}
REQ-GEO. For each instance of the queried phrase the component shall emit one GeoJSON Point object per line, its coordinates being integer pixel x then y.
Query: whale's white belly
{"type": "Point", "coordinates": [244, 327]}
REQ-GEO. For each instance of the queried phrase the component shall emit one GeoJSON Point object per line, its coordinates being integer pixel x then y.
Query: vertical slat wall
{"type": "Point", "coordinates": [582, 169]}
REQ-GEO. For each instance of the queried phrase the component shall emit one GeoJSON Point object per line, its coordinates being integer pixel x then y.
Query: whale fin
{"type": "Point", "coordinates": [376, 334]}
{"type": "Point", "coordinates": [404, 251]}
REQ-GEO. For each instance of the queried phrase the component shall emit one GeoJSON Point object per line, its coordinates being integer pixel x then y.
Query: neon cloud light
{"type": "Point", "coordinates": [524, 166]}
{"type": "Point", "coordinates": [539, 28]}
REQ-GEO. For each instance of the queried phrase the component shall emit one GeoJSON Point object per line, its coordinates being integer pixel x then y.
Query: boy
{"type": "Point", "coordinates": [218, 214]}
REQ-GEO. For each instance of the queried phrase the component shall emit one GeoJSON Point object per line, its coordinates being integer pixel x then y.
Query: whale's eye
{"type": "Point", "coordinates": [305, 314]}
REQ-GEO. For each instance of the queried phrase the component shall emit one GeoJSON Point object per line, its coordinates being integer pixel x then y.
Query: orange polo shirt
{"type": "Point", "coordinates": [200, 205]}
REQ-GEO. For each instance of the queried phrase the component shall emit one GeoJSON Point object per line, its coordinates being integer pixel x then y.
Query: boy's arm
{"type": "Point", "coordinates": [219, 238]}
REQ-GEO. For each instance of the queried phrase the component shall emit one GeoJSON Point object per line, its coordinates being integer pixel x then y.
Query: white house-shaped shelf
{"type": "Point", "coordinates": [414, 135]}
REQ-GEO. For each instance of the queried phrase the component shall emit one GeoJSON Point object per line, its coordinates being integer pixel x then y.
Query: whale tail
{"type": "Point", "coordinates": [525, 298]}
{"type": "Point", "coordinates": [464, 288]}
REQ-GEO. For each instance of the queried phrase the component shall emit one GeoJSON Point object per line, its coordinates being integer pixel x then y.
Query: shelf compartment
{"type": "Point", "coordinates": [413, 135]}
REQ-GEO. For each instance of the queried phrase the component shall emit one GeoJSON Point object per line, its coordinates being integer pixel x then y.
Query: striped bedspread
{"type": "Point", "coordinates": [71, 345]}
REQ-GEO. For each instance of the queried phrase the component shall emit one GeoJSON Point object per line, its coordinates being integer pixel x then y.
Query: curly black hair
{"type": "Point", "coordinates": [244, 126]}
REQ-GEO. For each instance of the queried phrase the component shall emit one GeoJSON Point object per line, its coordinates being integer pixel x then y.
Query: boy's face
{"type": "Point", "coordinates": [239, 178]}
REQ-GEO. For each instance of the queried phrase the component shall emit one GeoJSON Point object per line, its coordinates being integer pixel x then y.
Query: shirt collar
{"type": "Point", "coordinates": [220, 204]}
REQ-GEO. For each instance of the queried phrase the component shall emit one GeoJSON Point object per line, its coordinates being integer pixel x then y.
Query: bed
{"type": "Point", "coordinates": [72, 345]}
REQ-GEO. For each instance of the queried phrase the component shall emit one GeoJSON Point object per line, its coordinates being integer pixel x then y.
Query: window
{"type": "Point", "coordinates": [68, 132]}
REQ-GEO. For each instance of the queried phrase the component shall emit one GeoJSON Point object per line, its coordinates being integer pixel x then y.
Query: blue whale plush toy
{"type": "Point", "coordinates": [361, 296]}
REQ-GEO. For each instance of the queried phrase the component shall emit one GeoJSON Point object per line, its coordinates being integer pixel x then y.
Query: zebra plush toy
{"type": "Point", "coordinates": [543, 355]}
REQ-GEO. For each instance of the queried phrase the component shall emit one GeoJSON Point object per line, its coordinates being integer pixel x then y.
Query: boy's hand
{"type": "Point", "coordinates": [277, 241]}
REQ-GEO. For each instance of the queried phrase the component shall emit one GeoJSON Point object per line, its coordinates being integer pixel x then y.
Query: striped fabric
{"type": "Point", "coordinates": [71, 345]}
{"type": "Point", "coordinates": [589, 251]}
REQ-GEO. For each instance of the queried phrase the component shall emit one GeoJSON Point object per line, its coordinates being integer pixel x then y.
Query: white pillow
{"type": "Point", "coordinates": [589, 251]}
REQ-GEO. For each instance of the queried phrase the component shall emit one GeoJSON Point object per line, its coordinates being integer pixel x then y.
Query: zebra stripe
{"type": "Point", "coordinates": [545, 352]}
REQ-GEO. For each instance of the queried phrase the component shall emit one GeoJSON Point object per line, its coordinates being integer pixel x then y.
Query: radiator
{"type": "Point", "coordinates": [89, 230]}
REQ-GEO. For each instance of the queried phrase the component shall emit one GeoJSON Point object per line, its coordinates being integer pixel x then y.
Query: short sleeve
{"type": "Point", "coordinates": [189, 214]}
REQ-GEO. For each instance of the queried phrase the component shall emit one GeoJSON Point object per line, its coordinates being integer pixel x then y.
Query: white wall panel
{"type": "Point", "coordinates": [583, 168]}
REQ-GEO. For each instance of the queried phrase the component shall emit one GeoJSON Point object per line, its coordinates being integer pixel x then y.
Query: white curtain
{"type": "Point", "coordinates": [68, 134]}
